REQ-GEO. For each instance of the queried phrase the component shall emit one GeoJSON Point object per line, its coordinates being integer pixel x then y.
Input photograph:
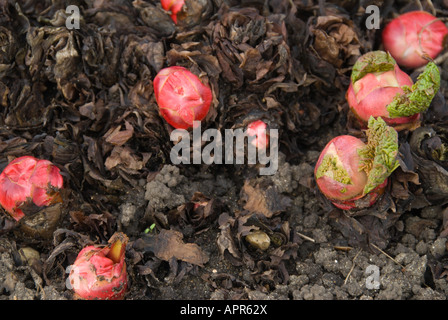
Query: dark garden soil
{"type": "Point", "coordinates": [83, 98]}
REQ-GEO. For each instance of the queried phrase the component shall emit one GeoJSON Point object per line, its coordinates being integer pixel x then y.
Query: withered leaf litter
{"type": "Point", "coordinates": [83, 98]}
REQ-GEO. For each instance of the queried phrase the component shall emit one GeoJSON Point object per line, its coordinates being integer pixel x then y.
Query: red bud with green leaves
{"type": "Point", "coordinates": [99, 272]}
{"type": "Point", "coordinates": [258, 130]}
{"type": "Point", "coordinates": [379, 88]}
{"type": "Point", "coordinates": [27, 179]}
{"type": "Point", "coordinates": [412, 36]}
{"type": "Point", "coordinates": [181, 96]}
{"type": "Point", "coordinates": [174, 6]}
{"type": "Point", "coordinates": [353, 174]}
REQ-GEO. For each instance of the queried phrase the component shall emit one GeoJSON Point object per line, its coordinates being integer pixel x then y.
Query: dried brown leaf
{"type": "Point", "coordinates": [125, 157]}
{"type": "Point", "coordinates": [168, 244]}
{"type": "Point", "coordinates": [119, 137]}
{"type": "Point", "coordinates": [265, 200]}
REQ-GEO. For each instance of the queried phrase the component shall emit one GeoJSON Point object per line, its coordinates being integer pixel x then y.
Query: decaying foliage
{"type": "Point", "coordinates": [84, 99]}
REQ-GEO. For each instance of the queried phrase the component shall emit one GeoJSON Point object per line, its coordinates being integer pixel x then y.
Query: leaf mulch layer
{"type": "Point", "coordinates": [83, 98]}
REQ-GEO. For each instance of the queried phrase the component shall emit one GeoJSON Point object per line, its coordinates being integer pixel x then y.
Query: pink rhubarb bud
{"type": "Point", "coordinates": [174, 6]}
{"type": "Point", "coordinates": [412, 35]}
{"type": "Point", "coordinates": [99, 272]}
{"type": "Point", "coordinates": [29, 179]}
{"type": "Point", "coordinates": [258, 130]}
{"type": "Point", "coordinates": [181, 96]}
{"type": "Point", "coordinates": [379, 88]}
{"type": "Point", "coordinates": [353, 174]}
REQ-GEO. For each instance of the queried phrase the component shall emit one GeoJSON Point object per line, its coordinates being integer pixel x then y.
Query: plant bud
{"type": "Point", "coordinates": [379, 88]}
{"type": "Point", "coordinates": [352, 174]}
{"type": "Point", "coordinates": [99, 273]}
{"type": "Point", "coordinates": [181, 96]}
{"type": "Point", "coordinates": [412, 35]}
{"type": "Point", "coordinates": [174, 6]}
{"type": "Point", "coordinates": [258, 130]}
{"type": "Point", "coordinates": [29, 179]}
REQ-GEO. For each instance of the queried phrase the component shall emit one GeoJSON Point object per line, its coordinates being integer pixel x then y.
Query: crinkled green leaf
{"type": "Point", "coordinates": [418, 98]}
{"type": "Point", "coordinates": [379, 156]}
{"type": "Point", "coordinates": [371, 62]}
{"type": "Point", "coordinates": [332, 168]}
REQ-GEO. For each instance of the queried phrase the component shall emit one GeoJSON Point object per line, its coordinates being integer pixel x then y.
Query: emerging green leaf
{"type": "Point", "coordinates": [371, 62]}
{"type": "Point", "coordinates": [332, 168]}
{"type": "Point", "coordinates": [418, 98]}
{"type": "Point", "coordinates": [379, 157]}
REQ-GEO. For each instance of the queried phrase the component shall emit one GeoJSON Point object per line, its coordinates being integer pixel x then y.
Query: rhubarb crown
{"type": "Point", "coordinates": [413, 100]}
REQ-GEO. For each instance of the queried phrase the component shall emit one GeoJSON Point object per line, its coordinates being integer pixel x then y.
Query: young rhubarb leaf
{"type": "Point", "coordinates": [372, 62]}
{"type": "Point", "coordinates": [379, 156]}
{"type": "Point", "coordinates": [417, 98]}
